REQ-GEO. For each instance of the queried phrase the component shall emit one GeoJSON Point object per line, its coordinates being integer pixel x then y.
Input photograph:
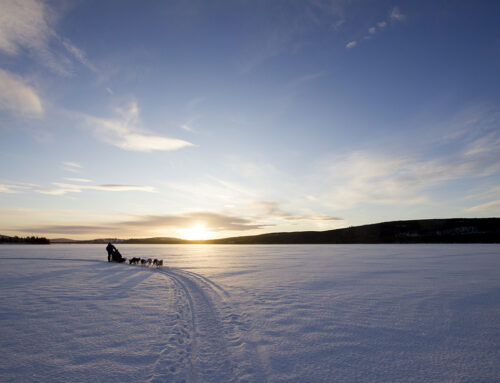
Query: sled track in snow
{"type": "Point", "coordinates": [214, 332]}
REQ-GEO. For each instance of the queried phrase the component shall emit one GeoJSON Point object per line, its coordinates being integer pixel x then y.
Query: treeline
{"type": "Point", "coordinates": [29, 240]}
{"type": "Point", "coordinates": [452, 230]}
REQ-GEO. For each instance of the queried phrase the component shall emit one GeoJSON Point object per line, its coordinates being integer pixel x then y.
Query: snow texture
{"type": "Point", "coordinates": [327, 313]}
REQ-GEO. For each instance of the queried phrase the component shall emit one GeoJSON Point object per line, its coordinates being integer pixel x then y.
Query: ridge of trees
{"type": "Point", "coordinates": [28, 240]}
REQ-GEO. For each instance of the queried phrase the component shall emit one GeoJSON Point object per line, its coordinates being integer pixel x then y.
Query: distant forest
{"type": "Point", "coordinates": [28, 240]}
{"type": "Point", "coordinates": [452, 230]}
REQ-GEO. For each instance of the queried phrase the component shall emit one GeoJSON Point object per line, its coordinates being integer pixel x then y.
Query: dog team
{"type": "Point", "coordinates": [146, 262]}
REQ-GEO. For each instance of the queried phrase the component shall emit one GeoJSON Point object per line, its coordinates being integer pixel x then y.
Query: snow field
{"type": "Point", "coordinates": [395, 313]}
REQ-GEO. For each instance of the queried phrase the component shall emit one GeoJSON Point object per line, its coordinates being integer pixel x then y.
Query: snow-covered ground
{"type": "Point", "coordinates": [386, 313]}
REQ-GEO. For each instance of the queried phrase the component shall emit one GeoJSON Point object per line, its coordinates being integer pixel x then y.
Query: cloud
{"type": "Point", "coordinates": [115, 187]}
{"type": "Point", "coordinates": [377, 178]}
{"type": "Point", "coordinates": [338, 24]}
{"type": "Point", "coordinates": [6, 189]}
{"type": "Point", "coordinates": [61, 189]}
{"type": "Point", "coordinates": [211, 192]}
{"type": "Point", "coordinates": [17, 97]}
{"type": "Point", "coordinates": [72, 164]}
{"type": "Point", "coordinates": [485, 194]}
{"type": "Point", "coordinates": [72, 167]}
{"type": "Point", "coordinates": [125, 133]}
{"type": "Point", "coordinates": [186, 127]}
{"type": "Point", "coordinates": [397, 15]}
{"type": "Point", "coordinates": [194, 103]}
{"type": "Point", "coordinates": [26, 28]}
{"type": "Point", "coordinates": [64, 188]}
{"type": "Point", "coordinates": [79, 55]}
{"type": "Point", "coordinates": [272, 209]}
{"type": "Point", "coordinates": [492, 205]}
{"type": "Point", "coordinates": [214, 222]}
{"type": "Point", "coordinates": [286, 28]}
{"type": "Point", "coordinates": [394, 15]}
{"type": "Point", "coordinates": [77, 179]}
{"type": "Point", "coordinates": [15, 187]}
{"type": "Point", "coordinates": [9, 189]}
{"type": "Point", "coordinates": [307, 78]}
{"type": "Point", "coordinates": [23, 24]}
{"type": "Point", "coordinates": [368, 178]}
{"type": "Point", "coordinates": [148, 143]}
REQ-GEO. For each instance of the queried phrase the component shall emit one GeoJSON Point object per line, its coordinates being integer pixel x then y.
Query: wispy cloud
{"type": "Point", "coordinates": [125, 132]}
{"type": "Point", "coordinates": [485, 194]}
{"type": "Point", "coordinates": [396, 14]}
{"type": "Point", "coordinates": [73, 167]}
{"type": "Point", "coordinates": [215, 222]}
{"type": "Point", "coordinates": [493, 206]}
{"type": "Point", "coordinates": [211, 192]}
{"type": "Point", "coordinates": [274, 210]}
{"type": "Point", "coordinates": [18, 97]}
{"type": "Point", "coordinates": [194, 103]}
{"type": "Point", "coordinates": [285, 28]}
{"type": "Point", "coordinates": [351, 44]}
{"type": "Point", "coordinates": [371, 177]}
{"type": "Point", "coordinates": [65, 188]}
{"type": "Point", "coordinates": [77, 179]}
{"type": "Point", "coordinates": [187, 127]}
{"type": "Point", "coordinates": [16, 187]}
{"type": "Point", "coordinates": [117, 187]}
{"type": "Point", "coordinates": [26, 27]}
{"type": "Point", "coordinates": [78, 54]}
{"type": "Point", "coordinates": [306, 78]}
{"type": "Point", "coordinates": [23, 24]}
{"type": "Point", "coordinates": [9, 189]}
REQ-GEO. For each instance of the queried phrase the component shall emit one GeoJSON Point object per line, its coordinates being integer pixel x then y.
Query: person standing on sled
{"type": "Point", "coordinates": [110, 249]}
{"type": "Point", "coordinates": [113, 254]}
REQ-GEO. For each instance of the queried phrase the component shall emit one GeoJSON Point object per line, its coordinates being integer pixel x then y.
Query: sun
{"type": "Point", "coordinates": [197, 232]}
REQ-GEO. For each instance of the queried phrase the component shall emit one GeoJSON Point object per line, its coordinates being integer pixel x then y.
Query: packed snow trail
{"type": "Point", "coordinates": [213, 332]}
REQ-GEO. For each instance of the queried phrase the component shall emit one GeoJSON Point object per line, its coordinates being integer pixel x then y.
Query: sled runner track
{"type": "Point", "coordinates": [175, 361]}
{"type": "Point", "coordinates": [51, 259]}
{"type": "Point", "coordinates": [205, 280]}
{"type": "Point", "coordinates": [217, 351]}
{"type": "Point", "coordinates": [209, 355]}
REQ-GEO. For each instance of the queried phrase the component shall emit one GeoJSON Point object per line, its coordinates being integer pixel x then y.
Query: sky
{"type": "Point", "coordinates": [208, 119]}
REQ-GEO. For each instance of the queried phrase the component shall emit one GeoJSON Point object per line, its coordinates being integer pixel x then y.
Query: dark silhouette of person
{"type": "Point", "coordinates": [113, 254]}
{"type": "Point", "coordinates": [110, 249]}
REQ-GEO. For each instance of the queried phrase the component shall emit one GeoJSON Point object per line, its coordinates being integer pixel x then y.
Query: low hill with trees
{"type": "Point", "coordinates": [24, 240]}
{"type": "Point", "coordinates": [452, 230]}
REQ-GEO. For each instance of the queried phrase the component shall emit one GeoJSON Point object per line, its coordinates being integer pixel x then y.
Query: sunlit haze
{"type": "Point", "coordinates": [202, 119]}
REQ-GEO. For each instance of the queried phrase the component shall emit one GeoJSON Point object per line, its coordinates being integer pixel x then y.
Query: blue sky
{"type": "Point", "coordinates": [204, 119]}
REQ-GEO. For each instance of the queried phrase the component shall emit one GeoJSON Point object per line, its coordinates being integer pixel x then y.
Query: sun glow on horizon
{"type": "Point", "coordinates": [197, 232]}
